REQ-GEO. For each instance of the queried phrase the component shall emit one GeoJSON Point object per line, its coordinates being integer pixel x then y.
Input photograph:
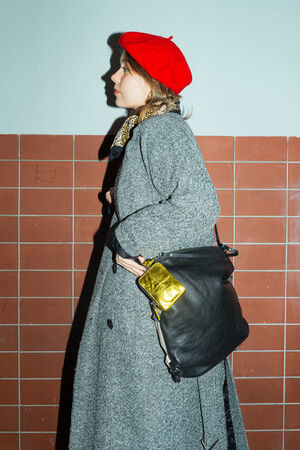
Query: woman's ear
{"type": "Point", "coordinates": [150, 95]}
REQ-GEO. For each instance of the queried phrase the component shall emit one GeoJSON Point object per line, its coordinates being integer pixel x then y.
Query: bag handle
{"type": "Point", "coordinates": [228, 250]}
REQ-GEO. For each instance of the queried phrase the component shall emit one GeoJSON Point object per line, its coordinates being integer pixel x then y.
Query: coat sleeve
{"type": "Point", "coordinates": [187, 208]}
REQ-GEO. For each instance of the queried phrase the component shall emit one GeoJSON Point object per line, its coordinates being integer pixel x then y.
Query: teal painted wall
{"type": "Point", "coordinates": [244, 56]}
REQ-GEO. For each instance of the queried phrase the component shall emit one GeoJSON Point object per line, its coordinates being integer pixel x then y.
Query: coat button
{"type": "Point", "coordinates": [110, 324]}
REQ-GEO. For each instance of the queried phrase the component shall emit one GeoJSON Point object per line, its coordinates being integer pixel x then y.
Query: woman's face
{"type": "Point", "coordinates": [131, 90]}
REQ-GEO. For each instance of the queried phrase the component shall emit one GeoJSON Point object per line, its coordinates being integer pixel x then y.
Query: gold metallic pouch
{"type": "Point", "coordinates": [161, 286]}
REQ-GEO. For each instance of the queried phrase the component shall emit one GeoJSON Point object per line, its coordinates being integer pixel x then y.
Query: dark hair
{"type": "Point", "coordinates": [159, 92]}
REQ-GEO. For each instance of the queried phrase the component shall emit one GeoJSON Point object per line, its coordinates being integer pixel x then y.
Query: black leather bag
{"type": "Point", "coordinates": [206, 324]}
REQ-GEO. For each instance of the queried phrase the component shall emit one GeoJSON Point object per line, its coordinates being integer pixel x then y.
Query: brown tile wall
{"type": "Point", "coordinates": [49, 214]}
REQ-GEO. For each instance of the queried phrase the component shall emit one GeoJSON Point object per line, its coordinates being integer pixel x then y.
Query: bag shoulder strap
{"type": "Point", "coordinates": [229, 251]}
{"type": "Point", "coordinates": [217, 236]}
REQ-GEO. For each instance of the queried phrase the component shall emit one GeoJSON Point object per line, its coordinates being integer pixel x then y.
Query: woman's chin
{"type": "Point", "coordinates": [119, 103]}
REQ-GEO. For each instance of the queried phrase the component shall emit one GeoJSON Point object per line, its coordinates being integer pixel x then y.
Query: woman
{"type": "Point", "coordinates": [124, 396]}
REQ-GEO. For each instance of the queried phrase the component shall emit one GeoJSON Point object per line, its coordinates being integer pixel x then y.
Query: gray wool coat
{"type": "Point", "coordinates": [124, 397]}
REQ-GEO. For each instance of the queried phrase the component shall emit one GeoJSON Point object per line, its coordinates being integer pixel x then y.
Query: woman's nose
{"type": "Point", "coordinates": [115, 77]}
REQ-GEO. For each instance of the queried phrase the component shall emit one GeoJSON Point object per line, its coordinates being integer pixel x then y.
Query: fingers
{"type": "Point", "coordinates": [108, 197]}
{"type": "Point", "coordinates": [142, 259]}
{"type": "Point", "coordinates": [131, 265]}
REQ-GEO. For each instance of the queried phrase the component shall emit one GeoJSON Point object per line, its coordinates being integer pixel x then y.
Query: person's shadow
{"type": "Point", "coordinates": [66, 393]}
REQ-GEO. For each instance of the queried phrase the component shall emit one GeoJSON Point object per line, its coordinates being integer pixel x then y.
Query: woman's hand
{"type": "Point", "coordinates": [131, 265]}
{"type": "Point", "coordinates": [109, 195]}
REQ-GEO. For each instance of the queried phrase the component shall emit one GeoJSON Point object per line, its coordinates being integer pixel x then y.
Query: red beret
{"type": "Point", "coordinates": [160, 57]}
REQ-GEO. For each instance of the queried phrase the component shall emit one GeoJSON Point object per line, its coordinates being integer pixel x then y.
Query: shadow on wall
{"type": "Point", "coordinates": [114, 66]}
{"type": "Point", "coordinates": [66, 393]}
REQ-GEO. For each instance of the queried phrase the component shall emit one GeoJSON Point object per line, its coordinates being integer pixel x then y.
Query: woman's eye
{"type": "Point", "coordinates": [124, 69]}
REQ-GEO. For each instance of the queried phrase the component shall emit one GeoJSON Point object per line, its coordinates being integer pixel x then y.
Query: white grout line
{"type": "Point", "coordinates": [91, 242]}
{"type": "Point", "coordinates": [84, 270]}
{"type": "Point", "coordinates": [285, 297]}
{"type": "Point", "coordinates": [235, 377]}
{"type": "Point", "coordinates": [73, 230]}
{"type": "Point", "coordinates": [222, 216]}
{"type": "Point", "coordinates": [63, 351]}
{"type": "Point", "coordinates": [218, 188]}
{"type": "Point", "coordinates": [19, 292]}
{"type": "Point", "coordinates": [256, 216]}
{"type": "Point", "coordinates": [259, 324]}
{"type": "Point", "coordinates": [63, 297]}
{"type": "Point", "coordinates": [234, 221]}
{"type": "Point", "coordinates": [213, 161]}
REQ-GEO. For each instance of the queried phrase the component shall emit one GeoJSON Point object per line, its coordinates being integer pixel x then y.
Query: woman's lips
{"type": "Point", "coordinates": [116, 91]}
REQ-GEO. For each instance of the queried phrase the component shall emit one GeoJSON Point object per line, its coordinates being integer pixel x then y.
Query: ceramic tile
{"type": "Point", "coordinates": [294, 148]}
{"type": "Point", "coordinates": [293, 364]}
{"type": "Point", "coordinates": [259, 284]}
{"type": "Point", "coordinates": [9, 146]}
{"type": "Point", "coordinates": [90, 174]}
{"type": "Point", "coordinates": [83, 254]}
{"type": "Point", "coordinates": [260, 229]}
{"type": "Point", "coordinates": [8, 392]}
{"type": "Point", "coordinates": [294, 175]}
{"type": "Point", "coordinates": [8, 310]}
{"type": "Point", "coordinates": [85, 228]}
{"type": "Point", "coordinates": [260, 390]}
{"type": "Point", "coordinates": [294, 230]}
{"type": "Point", "coordinates": [293, 260]}
{"type": "Point", "coordinates": [293, 284]}
{"type": "Point", "coordinates": [260, 257]}
{"type": "Point", "coordinates": [8, 418]}
{"type": "Point", "coordinates": [265, 440]}
{"type": "Point", "coordinates": [225, 198]}
{"type": "Point", "coordinates": [9, 229]}
{"type": "Point", "coordinates": [87, 147]}
{"type": "Point", "coordinates": [260, 148]}
{"type": "Point", "coordinates": [258, 364]}
{"type": "Point", "coordinates": [46, 174]}
{"type": "Point", "coordinates": [46, 229]}
{"type": "Point", "coordinates": [46, 201]}
{"type": "Point", "coordinates": [87, 202]}
{"type": "Point", "coordinates": [264, 337]}
{"type": "Point", "coordinates": [292, 389]}
{"type": "Point", "coordinates": [51, 284]}
{"type": "Point", "coordinates": [260, 203]}
{"type": "Point", "coordinates": [8, 173]}
{"type": "Point", "coordinates": [225, 229]}
{"type": "Point", "coordinates": [40, 392]}
{"type": "Point", "coordinates": [221, 174]}
{"type": "Point", "coordinates": [43, 146]}
{"type": "Point", "coordinates": [46, 256]}
{"type": "Point", "coordinates": [41, 365]}
{"type": "Point", "coordinates": [260, 175]}
{"type": "Point", "coordinates": [9, 441]}
{"type": "Point", "coordinates": [263, 310]}
{"type": "Point", "coordinates": [8, 201]}
{"type": "Point", "coordinates": [79, 278]}
{"type": "Point", "coordinates": [294, 203]}
{"type": "Point", "coordinates": [46, 310]}
{"type": "Point", "coordinates": [292, 417]}
{"type": "Point", "coordinates": [292, 440]}
{"type": "Point", "coordinates": [44, 338]}
{"type": "Point", "coordinates": [292, 337]}
{"type": "Point", "coordinates": [8, 256]}
{"type": "Point", "coordinates": [293, 310]}
{"type": "Point", "coordinates": [39, 418]}
{"type": "Point", "coordinates": [216, 148]}
{"type": "Point", "coordinates": [260, 417]}
{"type": "Point", "coordinates": [8, 338]}
{"type": "Point", "coordinates": [43, 441]}
{"type": "Point", "coordinates": [8, 365]}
